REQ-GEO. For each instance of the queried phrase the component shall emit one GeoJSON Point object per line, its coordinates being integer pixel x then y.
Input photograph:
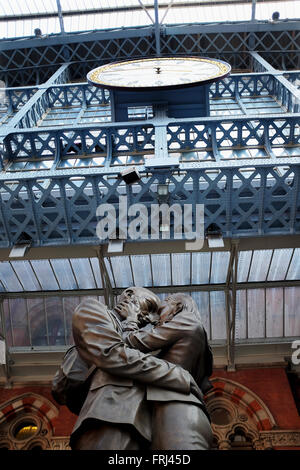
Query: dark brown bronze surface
{"type": "Point", "coordinates": [134, 383]}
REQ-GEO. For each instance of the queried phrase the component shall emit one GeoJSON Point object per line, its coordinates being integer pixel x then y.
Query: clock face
{"type": "Point", "coordinates": [160, 73]}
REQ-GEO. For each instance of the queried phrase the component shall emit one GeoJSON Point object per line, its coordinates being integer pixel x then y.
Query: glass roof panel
{"type": "Point", "coordinates": [174, 269]}
{"type": "Point", "coordinates": [220, 260]}
{"type": "Point", "coordinates": [45, 274]}
{"type": "Point", "coordinates": [46, 321]}
{"type": "Point", "coordinates": [25, 16]}
{"type": "Point", "coordinates": [161, 270]}
{"type": "Point", "coordinates": [64, 274]}
{"type": "Point", "coordinates": [288, 9]}
{"type": "Point", "coordinates": [256, 313]}
{"type": "Point", "coordinates": [8, 278]}
{"type": "Point", "coordinates": [244, 262]}
{"type": "Point", "coordinates": [201, 268]}
{"type": "Point", "coordinates": [292, 317]}
{"type": "Point", "coordinates": [25, 273]}
{"type": "Point", "coordinates": [18, 314]}
{"type": "Point", "coordinates": [218, 315]}
{"type": "Point", "coordinates": [37, 322]}
{"type": "Point", "coordinates": [260, 265]}
{"type": "Point", "coordinates": [122, 271]}
{"type": "Point", "coordinates": [141, 270]}
{"type": "Point", "coordinates": [96, 271]}
{"type": "Point", "coordinates": [274, 312]}
{"type": "Point", "coordinates": [83, 272]}
{"type": "Point", "coordinates": [241, 314]}
{"type": "Point", "coordinates": [280, 263]}
{"type": "Point", "coordinates": [15, 7]}
{"type": "Point", "coordinates": [181, 272]}
{"type": "Point", "coordinates": [294, 268]}
{"type": "Point", "coordinates": [202, 300]}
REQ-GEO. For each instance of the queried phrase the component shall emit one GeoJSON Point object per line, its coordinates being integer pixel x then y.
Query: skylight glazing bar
{"type": "Point", "coordinates": [253, 10]}
{"type": "Point", "coordinates": [270, 263]}
{"type": "Point", "coordinates": [46, 319]}
{"type": "Point", "coordinates": [166, 12]}
{"type": "Point", "coordinates": [60, 16]}
{"type": "Point", "coordinates": [64, 318]}
{"type": "Point", "coordinates": [131, 270]}
{"type": "Point", "coordinates": [28, 323]}
{"type": "Point", "coordinates": [157, 28]}
{"type": "Point", "coordinates": [209, 315]}
{"type": "Point", "coordinates": [12, 267]}
{"type": "Point", "coordinates": [93, 274]}
{"type": "Point", "coordinates": [146, 11]}
{"type": "Point", "coordinates": [151, 270]}
{"type": "Point", "coordinates": [289, 264]}
{"type": "Point", "coordinates": [54, 274]}
{"type": "Point", "coordinates": [11, 323]}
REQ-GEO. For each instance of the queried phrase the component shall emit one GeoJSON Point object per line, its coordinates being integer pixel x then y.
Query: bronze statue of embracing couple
{"type": "Point", "coordinates": [150, 363]}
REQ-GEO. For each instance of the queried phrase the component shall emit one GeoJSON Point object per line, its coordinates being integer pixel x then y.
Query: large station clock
{"type": "Point", "coordinates": [160, 73]}
{"type": "Point", "coordinates": [179, 84]}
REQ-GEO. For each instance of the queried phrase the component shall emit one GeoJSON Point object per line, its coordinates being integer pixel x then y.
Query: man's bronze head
{"type": "Point", "coordinates": [147, 301]}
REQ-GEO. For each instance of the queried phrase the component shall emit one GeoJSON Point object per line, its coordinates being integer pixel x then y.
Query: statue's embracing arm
{"type": "Point", "coordinates": [98, 342]}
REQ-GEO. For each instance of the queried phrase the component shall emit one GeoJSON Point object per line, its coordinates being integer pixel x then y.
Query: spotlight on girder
{"type": "Point", "coordinates": [38, 33]}
{"type": "Point", "coordinates": [130, 175]}
{"type": "Point", "coordinates": [214, 236]}
{"type": "Point", "coordinates": [115, 246]}
{"type": "Point", "coordinates": [21, 246]}
{"type": "Point", "coordinates": [163, 192]}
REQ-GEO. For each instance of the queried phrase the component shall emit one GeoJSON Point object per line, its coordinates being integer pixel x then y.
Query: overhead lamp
{"type": "Point", "coordinates": [38, 33]}
{"type": "Point", "coordinates": [115, 246]}
{"type": "Point", "coordinates": [162, 189]}
{"type": "Point", "coordinates": [214, 236]}
{"type": "Point", "coordinates": [130, 175]}
{"type": "Point", "coordinates": [275, 16]}
{"type": "Point", "coordinates": [163, 192]}
{"type": "Point", "coordinates": [164, 227]}
{"type": "Point", "coordinates": [21, 246]}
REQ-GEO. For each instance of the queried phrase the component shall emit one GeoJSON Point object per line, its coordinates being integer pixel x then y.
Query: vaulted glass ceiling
{"type": "Point", "coordinates": [20, 19]}
{"type": "Point", "coordinates": [150, 270]}
{"type": "Point", "coordinates": [262, 314]}
{"type": "Point", "coordinates": [264, 310]}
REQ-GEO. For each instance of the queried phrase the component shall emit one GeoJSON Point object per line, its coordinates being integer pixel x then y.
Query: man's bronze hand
{"type": "Point", "coordinates": [129, 310]}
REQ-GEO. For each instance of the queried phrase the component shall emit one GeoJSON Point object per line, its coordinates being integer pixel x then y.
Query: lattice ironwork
{"type": "Point", "coordinates": [232, 42]}
{"type": "Point", "coordinates": [62, 210]}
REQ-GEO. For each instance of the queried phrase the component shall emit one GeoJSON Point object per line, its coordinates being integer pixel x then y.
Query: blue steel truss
{"type": "Point", "coordinates": [243, 163]}
{"type": "Point", "coordinates": [31, 61]}
{"type": "Point", "coordinates": [61, 210]}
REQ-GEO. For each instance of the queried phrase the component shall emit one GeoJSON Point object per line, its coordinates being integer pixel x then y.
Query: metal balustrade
{"type": "Point", "coordinates": [73, 104]}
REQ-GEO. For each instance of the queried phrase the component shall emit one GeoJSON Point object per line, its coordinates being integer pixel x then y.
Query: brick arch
{"type": "Point", "coordinates": [30, 403]}
{"type": "Point", "coordinates": [243, 397]}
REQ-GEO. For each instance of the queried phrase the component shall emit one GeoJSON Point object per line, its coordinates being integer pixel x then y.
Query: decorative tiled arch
{"type": "Point", "coordinates": [240, 395]}
{"type": "Point", "coordinates": [32, 403]}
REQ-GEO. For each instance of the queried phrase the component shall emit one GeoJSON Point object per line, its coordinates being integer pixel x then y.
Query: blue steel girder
{"type": "Point", "coordinates": [33, 107]}
{"type": "Point", "coordinates": [278, 42]}
{"type": "Point", "coordinates": [246, 140]}
{"type": "Point", "coordinates": [84, 95]}
{"type": "Point", "coordinates": [61, 210]}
